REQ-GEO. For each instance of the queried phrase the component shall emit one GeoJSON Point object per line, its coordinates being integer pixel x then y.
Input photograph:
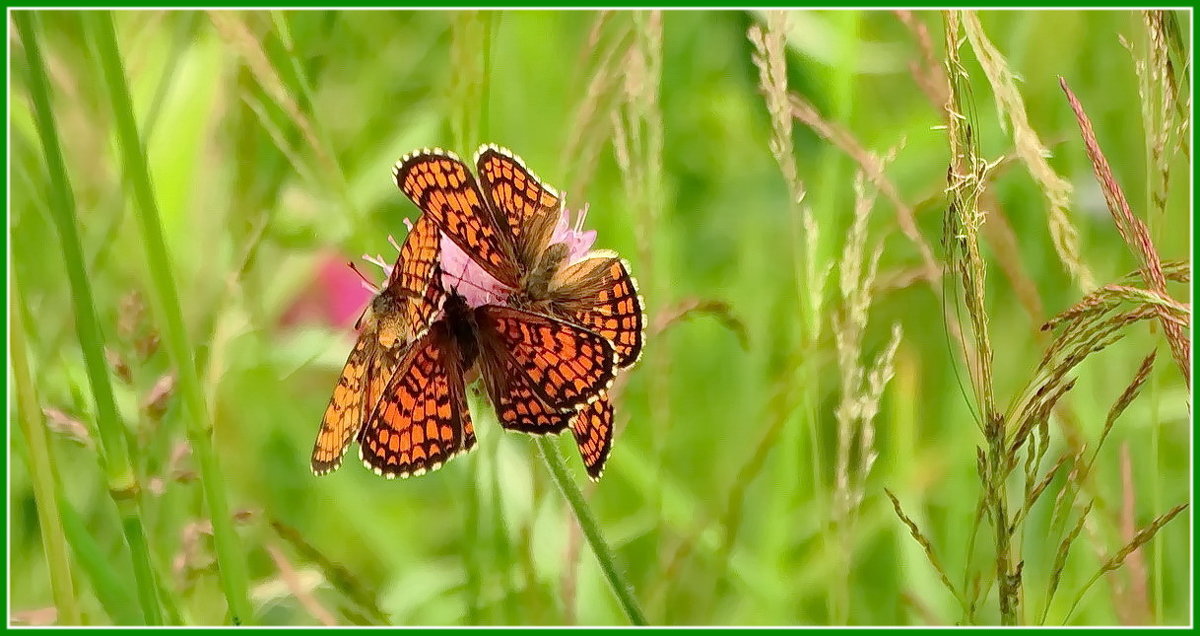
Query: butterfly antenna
{"type": "Point", "coordinates": [362, 276]}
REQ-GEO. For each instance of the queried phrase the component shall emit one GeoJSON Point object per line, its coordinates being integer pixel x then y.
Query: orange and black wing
{"type": "Point", "coordinates": [349, 404]}
{"type": "Point", "coordinates": [527, 206]}
{"type": "Point", "coordinates": [414, 273]}
{"type": "Point", "coordinates": [600, 294]}
{"type": "Point", "coordinates": [520, 408]}
{"type": "Point", "coordinates": [565, 365]}
{"type": "Point", "coordinates": [421, 421]}
{"type": "Point", "coordinates": [593, 431]}
{"type": "Point", "coordinates": [441, 185]}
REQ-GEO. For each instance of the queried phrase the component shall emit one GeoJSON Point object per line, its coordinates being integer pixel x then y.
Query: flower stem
{"type": "Point", "coordinates": [591, 531]}
{"type": "Point", "coordinates": [41, 469]}
{"type": "Point", "coordinates": [230, 559]}
{"type": "Point", "coordinates": [118, 468]}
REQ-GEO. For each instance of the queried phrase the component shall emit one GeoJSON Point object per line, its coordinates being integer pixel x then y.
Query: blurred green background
{"type": "Point", "coordinates": [270, 139]}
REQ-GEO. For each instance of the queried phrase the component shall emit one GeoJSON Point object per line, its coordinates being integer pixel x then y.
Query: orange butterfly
{"type": "Point", "coordinates": [508, 227]}
{"type": "Point", "coordinates": [401, 310]}
{"type": "Point", "coordinates": [422, 420]}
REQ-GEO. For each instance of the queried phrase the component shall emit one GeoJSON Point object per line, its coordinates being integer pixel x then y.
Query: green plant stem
{"type": "Point", "coordinates": [591, 531]}
{"type": "Point", "coordinates": [230, 559]}
{"type": "Point", "coordinates": [1154, 222]}
{"type": "Point", "coordinates": [834, 169]}
{"type": "Point", "coordinates": [108, 586]}
{"type": "Point", "coordinates": [41, 469]}
{"type": "Point", "coordinates": [121, 479]}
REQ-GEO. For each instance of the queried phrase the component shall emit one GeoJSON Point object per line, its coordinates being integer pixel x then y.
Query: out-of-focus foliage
{"type": "Point", "coordinates": [271, 138]}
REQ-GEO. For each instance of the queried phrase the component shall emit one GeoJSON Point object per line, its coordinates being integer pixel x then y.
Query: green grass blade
{"type": "Point", "coordinates": [591, 531]}
{"type": "Point", "coordinates": [109, 587]}
{"type": "Point", "coordinates": [230, 559]}
{"type": "Point", "coordinates": [41, 467]}
{"type": "Point", "coordinates": [122, 481]}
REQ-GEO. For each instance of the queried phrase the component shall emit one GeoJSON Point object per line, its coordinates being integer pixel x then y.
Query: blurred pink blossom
{"type": "Point", "coordinates": [336, 297]}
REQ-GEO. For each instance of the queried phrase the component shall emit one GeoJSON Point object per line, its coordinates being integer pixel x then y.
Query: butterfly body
{"type": "Point", "coordinates": [390, 324]}
{"type": "Point", "coordinates": [382, 341]}
{"type": "Point", "coordinates": [537, 281]}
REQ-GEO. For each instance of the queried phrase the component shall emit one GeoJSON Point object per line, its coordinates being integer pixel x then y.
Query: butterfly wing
{"type": "Point", "coordinates": [441, 185]}
{"type": "Point", "coordinates": [565, 365]}
{"type": "Point", "coordinates": [529, 207]}
{"type": "Point", "coordinates": [421, 420]}
{"type": "Point", "coordinates": [412, 278]}
{"type": "Point", "coordinates": [592, 428]}
{"type": "Point", "coordinates": [599, 293]}
{"type": "Point", "coordinates": [521, 408]}
{"type": "Point", "coordinates": [351, 398]}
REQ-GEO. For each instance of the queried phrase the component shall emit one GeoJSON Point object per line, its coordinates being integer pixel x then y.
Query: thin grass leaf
{"type": "Point", "coordinates": [927, 546]}
{"type": "Point", "coordinates": [1060, 560]}
{"type": "Point", "coordinates": [121, 479]}
{"type": "Point", "coordinates": [1116, 560]}
{"type": "Point", "coordinates": [166, 300]}
{"type": "Point", "coordinates": [338, 576]}
{"type": "Point", "coordinates": [41, 468]}
{"type": "Point", "coordinates": [110, 587]}
{"type": "Point", "coordinates": [688, 308]}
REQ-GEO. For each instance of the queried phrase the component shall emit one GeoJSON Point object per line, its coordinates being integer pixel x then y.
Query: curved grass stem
{"type": "Point", "coordinates": [230, 559]}
{"type": "Point", "coordinates": [591, 531]}
{"type": "Point", "coordinates": [41, 469]}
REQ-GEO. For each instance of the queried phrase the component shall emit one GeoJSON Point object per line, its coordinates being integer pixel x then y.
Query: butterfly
{"type": "Point", "coordinates": [402, 309]}
{"type": "Point", "coordinates": [422, 420]}
{"type": "Point", "coordinates": [506, 223]}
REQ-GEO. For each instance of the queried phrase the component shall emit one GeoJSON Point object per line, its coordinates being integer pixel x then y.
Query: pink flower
{"type": "Point", "coordinates": [462, 273]}
{"type": "Point", "coordinates": [579, 241]}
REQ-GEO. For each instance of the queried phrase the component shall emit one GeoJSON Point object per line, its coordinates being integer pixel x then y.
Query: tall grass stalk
{"type": "Point", "coordinates": [770, 56]}
{"type": "Point", "coordinates": [1158, 94]}
{"type": "Point", "coordinates": [1031, 150]}
{"type": "Point", "coordinates": [121, 479]}
{"type": "Point", "coordinates": [961, 239]}
{"type": "Point", "coordinates": [1016, 440]}
{"type": "Point", "coordinates": [468, 97]}
{"type": "Point", "coordinates": [41, 469]}
{"type": "Point", "coordinates": [861, 386]}
{"type": "Point", "coordinates": [591, 531]}
{"type": "Point", "coordinates": [230, 558]}
{"type": "Point", "coordinates": [638, 148]}
{"type": "Point", "coordinates": [1134, 233]}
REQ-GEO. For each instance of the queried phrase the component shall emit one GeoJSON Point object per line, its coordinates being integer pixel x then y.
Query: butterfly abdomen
{"type": "Point", "coordinates": [460, 321]}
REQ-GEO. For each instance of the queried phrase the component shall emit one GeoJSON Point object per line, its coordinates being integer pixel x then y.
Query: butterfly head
{"type": "Point", "coordinates": [387, 315]}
